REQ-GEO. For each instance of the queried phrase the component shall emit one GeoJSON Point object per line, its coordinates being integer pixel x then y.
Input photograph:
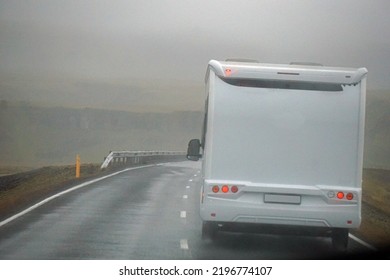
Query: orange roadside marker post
{"type": "Point", "coordinates": [77, 166]}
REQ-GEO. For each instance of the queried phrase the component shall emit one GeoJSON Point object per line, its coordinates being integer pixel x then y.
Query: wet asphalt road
{"type": "Point", "coordinates": [145, 213]}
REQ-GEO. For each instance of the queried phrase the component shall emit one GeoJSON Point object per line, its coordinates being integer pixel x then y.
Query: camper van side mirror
{"type": "Point", "coordinates": [193, 151]}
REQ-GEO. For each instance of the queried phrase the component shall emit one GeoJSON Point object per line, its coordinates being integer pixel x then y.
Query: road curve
{"type": "Point", "coordinates": [143, 213]}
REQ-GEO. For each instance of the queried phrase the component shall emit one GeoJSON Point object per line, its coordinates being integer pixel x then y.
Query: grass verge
{"type": "Point", "coordinates": [20, 190]}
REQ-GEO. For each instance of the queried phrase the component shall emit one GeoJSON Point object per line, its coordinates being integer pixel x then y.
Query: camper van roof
{"type": "Point", "coordinates": [286, 72]}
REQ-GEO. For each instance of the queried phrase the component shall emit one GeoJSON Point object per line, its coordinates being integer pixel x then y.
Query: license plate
{"type": "Point", "coordinates": [282, 198]}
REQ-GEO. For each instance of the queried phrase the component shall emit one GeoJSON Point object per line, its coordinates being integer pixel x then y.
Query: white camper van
{"type": "Point", "coordinates": [282, 149]}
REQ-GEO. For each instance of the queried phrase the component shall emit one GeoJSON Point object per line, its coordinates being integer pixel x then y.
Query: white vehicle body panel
{"type": "Point", "coordinates": [290, 138]}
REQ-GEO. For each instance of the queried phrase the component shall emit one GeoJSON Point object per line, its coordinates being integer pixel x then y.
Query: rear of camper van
{"type": "Point", "coordinates": [282, 148]}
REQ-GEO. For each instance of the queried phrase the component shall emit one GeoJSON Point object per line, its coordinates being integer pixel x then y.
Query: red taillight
{"type": "Point", "coordinates": [225, 188]}
{"type": "Point", "coordinates": [234, 189]}
{"type": "Point", "coordinates": [340, 195]}
{"type": "Point", "coordinates": [215, 189]}
{"type": "Point", "coordinates": [349, 196]}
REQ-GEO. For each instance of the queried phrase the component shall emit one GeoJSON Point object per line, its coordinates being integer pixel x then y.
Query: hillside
{"type": "Point", "coordinates": [377, 134]}
{"type": "Point", "coordinates": [49, 136]}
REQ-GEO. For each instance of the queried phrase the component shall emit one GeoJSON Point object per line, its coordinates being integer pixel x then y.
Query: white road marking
{"type": "Point", "coordinates": [190, 180]}
{"type": "Point", "coordinates": [184, 244]}
{"type": "Point", "coordinates": [14, 217]}
{"type": "Point", "coordinates": [185, 196]}
{"type": "Point", "coordinates": [187, 187]}
{"type": "Point", "coordinates": [365, 244]}
{"type": "Point", "coordinates": [183, 214]}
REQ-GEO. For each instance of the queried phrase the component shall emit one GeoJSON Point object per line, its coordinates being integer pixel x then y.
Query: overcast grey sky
{"type": "Point", "coordinates": [152, 55]}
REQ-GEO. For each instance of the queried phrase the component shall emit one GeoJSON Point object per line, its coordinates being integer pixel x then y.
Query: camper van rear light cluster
{"type": "Point", "coordinates": [341, 195]}
{"type": "Point", "coordinates": [348, 196]}
{"type": "Point", "coordinates": [224, 189]}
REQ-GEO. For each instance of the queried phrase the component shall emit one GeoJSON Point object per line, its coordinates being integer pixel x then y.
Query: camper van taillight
{"type": "Point", "coordinates": [215, 189]}
{"type": "Point", "coordinates": [225, 188]}
{"type": "Point", "coordinates": [340, 195]}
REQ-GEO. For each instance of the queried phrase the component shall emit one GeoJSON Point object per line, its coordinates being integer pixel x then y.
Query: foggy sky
{"type": "Point", "coordinates": [152, 55]}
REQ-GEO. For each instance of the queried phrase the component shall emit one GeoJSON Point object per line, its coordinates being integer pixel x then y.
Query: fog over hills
{"type": "Point", "coordinates": [138, 67]}
{"type": "Point", "coordinates": [36, 136]}
{"type": "Point", "coordinates": [154, 95]}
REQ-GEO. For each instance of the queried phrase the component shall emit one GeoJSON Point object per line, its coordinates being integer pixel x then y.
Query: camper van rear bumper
{"type": "Point", "coordinates": [273, 229]}
{"type": "Point", "coordinates": [327, 216]}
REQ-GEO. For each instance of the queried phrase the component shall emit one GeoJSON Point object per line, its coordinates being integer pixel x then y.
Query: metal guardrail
{"type": "Point", "coordinates": [139, 157]}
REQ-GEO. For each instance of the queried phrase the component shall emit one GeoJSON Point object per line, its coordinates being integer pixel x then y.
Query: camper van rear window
{"type": "Point", "coordinates": [280, 84]}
